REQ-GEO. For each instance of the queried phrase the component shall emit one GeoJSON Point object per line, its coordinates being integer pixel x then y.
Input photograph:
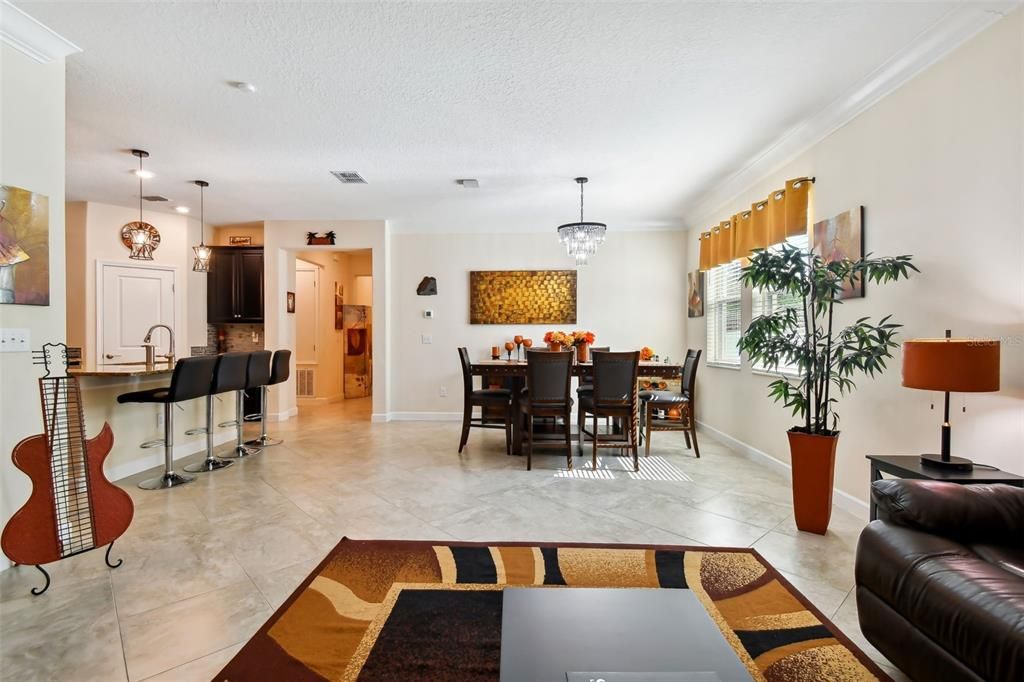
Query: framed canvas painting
{"type": "Point", "coordinates": [841, 237]}
{"type": "Point", "coordinates": [695, 294]}
{"type": "Point", "coordinates": [24, 247]}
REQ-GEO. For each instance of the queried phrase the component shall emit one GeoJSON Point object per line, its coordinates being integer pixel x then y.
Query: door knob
{"type": "Point", "coordinates": [111, 356]}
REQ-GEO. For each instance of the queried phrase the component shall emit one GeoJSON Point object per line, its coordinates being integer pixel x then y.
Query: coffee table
{"type": "Point", "coordinates": [560, 634]}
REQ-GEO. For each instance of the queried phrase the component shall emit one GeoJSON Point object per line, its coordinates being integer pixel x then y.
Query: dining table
{"type": "Point", "coordinates": [514, 373]}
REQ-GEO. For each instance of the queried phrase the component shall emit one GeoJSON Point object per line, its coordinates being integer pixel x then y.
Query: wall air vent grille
{"type": "Point", "coordinates": [155, 197]}
{"type": "Point", "coordinates": [349, 177]}
{"type": "Point", "coordinates": [305, 384]}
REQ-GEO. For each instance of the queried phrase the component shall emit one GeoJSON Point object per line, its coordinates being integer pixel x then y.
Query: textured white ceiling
{"type": "Point", "coordinates": [654, 101]}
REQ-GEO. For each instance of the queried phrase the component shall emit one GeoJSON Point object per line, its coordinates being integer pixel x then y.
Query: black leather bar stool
{"type": "Point", "coordinates": [228, 375]}
{"type": "Point", "coordinates": [253, 375]}
{"type": "Point", "coordinates": [191, 379]}
{"type": "Point", "coordinates": [280, 369]}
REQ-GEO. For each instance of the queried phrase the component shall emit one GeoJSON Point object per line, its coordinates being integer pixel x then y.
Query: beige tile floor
{"type": "Point", "coordinates": [206, 564]}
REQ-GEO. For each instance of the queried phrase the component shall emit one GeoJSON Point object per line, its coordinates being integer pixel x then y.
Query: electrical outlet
{"type": "Point", "coordinates": [426, 338]}
{"type": "Point", "coordinates": [444, 391]}
{"type": "Point", "coordinates": [428, 313]}
{"type": "Point", "coordinates": [14, 340]}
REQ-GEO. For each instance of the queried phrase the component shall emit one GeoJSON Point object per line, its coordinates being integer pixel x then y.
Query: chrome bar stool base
{"type": "Point", "coordinates": [211, 464]}
{"type": "Point", "coordinates": [166, 480]}
{"type": "Point", "coordinates": [263, 442]}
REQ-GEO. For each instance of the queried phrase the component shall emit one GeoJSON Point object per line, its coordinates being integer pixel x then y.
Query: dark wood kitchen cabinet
{"type": "Point", "coordinates": [234, 285]}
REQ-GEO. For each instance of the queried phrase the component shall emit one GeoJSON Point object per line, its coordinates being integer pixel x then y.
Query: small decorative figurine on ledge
{"type": "Point", "coordinates": [317, 239]}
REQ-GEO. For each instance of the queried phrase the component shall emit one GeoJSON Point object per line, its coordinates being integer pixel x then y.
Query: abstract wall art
{"type": "Point", "coordinates": [841, 237]}
{"type": "Point", "coordinates": [522, 297]}
{"type": "Point", "coordinates": [358, 364]}
{"type": "Point", "coordinates": [24, 247]}
{"type": "Point", "coordinates": [695, 294]}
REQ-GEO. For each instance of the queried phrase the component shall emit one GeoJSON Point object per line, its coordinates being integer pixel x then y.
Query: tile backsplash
{"type": "Point", "coordinates": [237, 337]}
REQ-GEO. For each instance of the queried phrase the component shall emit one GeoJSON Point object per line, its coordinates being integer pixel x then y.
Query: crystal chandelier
{"type": "Point", "coordinates": [202, 252]}
{"type": "Point", "coordinates": [581, 239]}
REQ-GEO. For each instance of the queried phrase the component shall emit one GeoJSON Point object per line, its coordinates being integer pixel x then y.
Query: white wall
{"type": "Point", "coordinates": [631, 294]}
{"type": "Point", "coordinates": [31, 157]}
{"type": "Point", "coordinates": [282, 240]}
{"type": "Point", "coordinates": [938, 167]}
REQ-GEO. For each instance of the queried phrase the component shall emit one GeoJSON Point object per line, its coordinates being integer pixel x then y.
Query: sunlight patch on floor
{"type": "Point", "coordinates": [651, 469]}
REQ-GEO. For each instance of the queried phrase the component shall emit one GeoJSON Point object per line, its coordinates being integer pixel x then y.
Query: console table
{"type": "Point", "coordinates": [910, 466]}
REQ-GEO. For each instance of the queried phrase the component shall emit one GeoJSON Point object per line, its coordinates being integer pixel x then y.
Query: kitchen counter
{"type": "Point", "coordinates": [124, 369]}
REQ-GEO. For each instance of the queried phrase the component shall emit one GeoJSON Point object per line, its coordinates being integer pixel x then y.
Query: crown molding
{"type": "Point", "coordinates": [956, 27]}
{"type": "Point", "coordinates": [32, 38]}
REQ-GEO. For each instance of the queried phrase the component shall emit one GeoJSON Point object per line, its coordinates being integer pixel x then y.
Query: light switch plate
{"type": "Point", "coordinates": [426, 338]}
{"type": "Point", "coordinates": [14, 340]}
{"type": "Point", "coordinates": [428, 313]}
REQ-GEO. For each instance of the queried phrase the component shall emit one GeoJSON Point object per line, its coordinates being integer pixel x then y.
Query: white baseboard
{"type": "Point", "coordinates": [282, 416]}
{"type": "Point", "coordinates": [380, 418]}
{"type": "Point", "coordinates": [841, 499]}
{"type": "Point", "coordinates": [155, 456]}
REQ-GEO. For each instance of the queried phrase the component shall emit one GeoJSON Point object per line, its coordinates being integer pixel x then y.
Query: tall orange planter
{"type": "Point", "coordinates": [814, 467]}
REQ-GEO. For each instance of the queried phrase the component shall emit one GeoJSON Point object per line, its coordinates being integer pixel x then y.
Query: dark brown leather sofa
{"type": "Point", "coordinates": [940, 579]}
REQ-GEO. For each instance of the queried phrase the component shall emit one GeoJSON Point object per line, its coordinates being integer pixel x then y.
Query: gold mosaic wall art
{"type": "Point", "coordinates": [522, 297]}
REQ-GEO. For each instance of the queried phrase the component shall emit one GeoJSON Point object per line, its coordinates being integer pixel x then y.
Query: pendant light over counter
{"type": "Point", "coordinates": [581, 239]}
{"type": "Point", "coordinates": [202, 252]}
{"type": "Point", "coordinates": [140, 237]}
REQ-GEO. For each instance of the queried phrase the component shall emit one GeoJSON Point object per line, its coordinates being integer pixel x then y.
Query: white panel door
{"type": "Point", "coordinates": [133, 299]}
{"type": "Point", "coordinates": [307, 299]}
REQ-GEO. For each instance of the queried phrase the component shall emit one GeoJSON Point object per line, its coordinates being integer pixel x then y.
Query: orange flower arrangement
{"type": "Point", "coordinates": [646, 353]}
{"type": "Point", "coordinates": [560, 338]}
{"type": "Point", "coordinates": [581, 337]}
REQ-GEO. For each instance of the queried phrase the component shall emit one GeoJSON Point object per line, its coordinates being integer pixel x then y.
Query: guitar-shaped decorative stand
{"type": "Point", "coordinates": [73, 508]}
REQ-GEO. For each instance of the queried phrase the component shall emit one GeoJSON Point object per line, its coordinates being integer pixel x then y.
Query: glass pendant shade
{"type": "Point", "coordinates": [201, 253]}
{"type": "Point", "coordinates": [140, 233]}
{"type": "Point", "coordinates": [581, 239]}
{"type": "Point", "coordinates": [201, 262]}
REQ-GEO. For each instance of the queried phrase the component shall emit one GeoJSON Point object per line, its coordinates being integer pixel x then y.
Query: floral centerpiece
{"type": "Point", "coordinates": [583, 340]}
{"type": "Point", "coordinates": [556, 340]}
{"type": "Point", "coordinates": [646, 353]}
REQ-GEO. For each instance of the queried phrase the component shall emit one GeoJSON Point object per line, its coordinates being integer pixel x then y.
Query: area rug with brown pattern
{"type": "Point", "coordinates": [397, 610]}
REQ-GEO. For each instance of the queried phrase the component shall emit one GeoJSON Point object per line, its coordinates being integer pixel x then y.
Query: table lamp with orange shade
{"type": "Point", "coordinates": [950, 365]}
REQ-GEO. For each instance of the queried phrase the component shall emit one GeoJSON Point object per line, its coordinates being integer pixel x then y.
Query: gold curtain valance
{"type": "Point", "coordinates": [785, 213]}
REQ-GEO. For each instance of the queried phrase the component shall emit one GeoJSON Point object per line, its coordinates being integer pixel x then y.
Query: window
{"type": "Point", "coordinates": [767, 302]}
{"type": "Point", "coordinates": [722, 307]}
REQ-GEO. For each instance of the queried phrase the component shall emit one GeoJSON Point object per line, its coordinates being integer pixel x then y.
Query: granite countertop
{"type": "Point", "coordinates": [125, 369]}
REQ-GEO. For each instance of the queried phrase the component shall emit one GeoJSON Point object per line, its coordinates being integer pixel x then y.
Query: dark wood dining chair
{"type": "Point", "coordinates": [587, 383]}
{"type": "Point", "coordinates": [615, 396]}
{"type": "Point", "coordinates": [659, 405]}
{"type": "Point", "coordinates": [547, 394]}
{"type": "Point", "coordinates": [483, 398]}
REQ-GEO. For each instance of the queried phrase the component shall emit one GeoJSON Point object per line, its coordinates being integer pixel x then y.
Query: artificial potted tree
{"type": "Point", "coordinates": [825, 357]}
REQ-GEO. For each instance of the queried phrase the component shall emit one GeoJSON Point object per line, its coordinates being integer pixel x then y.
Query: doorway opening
{"type": "Point", "coordinates": [334, 333]}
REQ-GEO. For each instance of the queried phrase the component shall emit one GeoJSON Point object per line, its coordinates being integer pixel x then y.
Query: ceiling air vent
{"type": "Point", "coordinates": [155, 197]}
{"type": "Point", "coordinates": [349, 177]}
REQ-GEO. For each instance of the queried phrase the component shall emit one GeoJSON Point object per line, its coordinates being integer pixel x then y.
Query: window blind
{"type": "Point", "coordinates": [764, 302]}
{"type": "Point", "coordinates": [722, 307]}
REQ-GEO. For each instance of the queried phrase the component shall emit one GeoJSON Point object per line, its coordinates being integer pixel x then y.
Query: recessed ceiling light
{"type": "Point", "coordinates": [145, 174]}
{"type": "Point", "coordinates": [181, 209]}
{"type": "Point", "coordinates": [469, 183]}
{"type": "Point", "coordinates": [244, 86]}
